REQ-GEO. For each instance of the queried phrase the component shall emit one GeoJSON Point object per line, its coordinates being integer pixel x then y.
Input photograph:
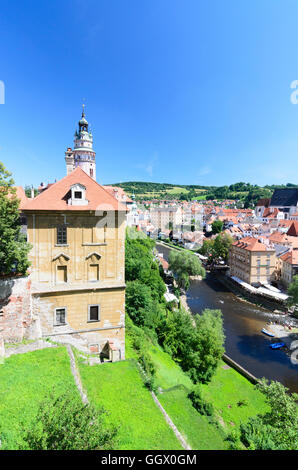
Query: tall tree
{"type": "Point", "coordinates": [293, 291]}
{"type": "Point", "coordinates": [196, 343]}
{"type": "Point", "coordinates": [13, 246]}
{"type": "Point", "coordinates": [217, 226]}
{"type": "Point", "coordinates": [185, 264]}
{"type": "Point", "coordinates": [222, 245]}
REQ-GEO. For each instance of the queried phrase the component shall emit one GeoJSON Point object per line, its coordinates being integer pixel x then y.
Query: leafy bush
{"type": "Point", "coordinates": [140, 344]}
{"type": "Point", "coordinates": [185, 264]}
{"type": "Point", "coordinates": [278, 428]}
{"type": "Point", "coordinates": [195, 342]}
{"type": "Point", "coordinates": [202, 406]}
{"type": "Point", "coordinates": [65, 423]}
{"type": "Point", "coordinates": [13, 247]}
{"type": "Point", "coordinates": [143, 309]}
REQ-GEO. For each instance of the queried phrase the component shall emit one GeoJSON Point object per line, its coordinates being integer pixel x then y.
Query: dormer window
{"type": "Point", "coordinates": [78, 195]}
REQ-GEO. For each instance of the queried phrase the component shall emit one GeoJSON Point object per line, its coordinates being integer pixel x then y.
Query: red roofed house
{"type": "Point", "coordinates": [252, 261]}
{"type": "Point", "coordinates": [288, 266]}
{"type": "Point", "coordinates": [293, 230]}
{"type": "Point", "coordinates": [77, 230]}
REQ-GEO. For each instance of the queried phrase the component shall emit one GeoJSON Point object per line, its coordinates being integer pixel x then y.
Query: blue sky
{"type": "Point", "coordinates": [180, 91]}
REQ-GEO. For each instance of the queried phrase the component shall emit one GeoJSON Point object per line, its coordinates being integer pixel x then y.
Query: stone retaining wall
{"type": "Point", "coordinates": [228, 360]}
{"type": "Point", "coordinates": [16, 319]}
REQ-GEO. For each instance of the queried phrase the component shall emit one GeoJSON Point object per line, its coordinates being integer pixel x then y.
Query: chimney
{"type": "Point", "coordinates": [32, 192]}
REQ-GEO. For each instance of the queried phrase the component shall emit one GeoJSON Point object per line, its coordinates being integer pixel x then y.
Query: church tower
{"type": "Point", "coordinates": [83, 154]}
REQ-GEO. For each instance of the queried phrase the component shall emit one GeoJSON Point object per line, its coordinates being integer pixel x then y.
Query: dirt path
{"type": "Point", "coordinates": [76, 375]}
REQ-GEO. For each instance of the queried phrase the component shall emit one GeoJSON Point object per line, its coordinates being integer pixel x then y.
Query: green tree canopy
{"type": "Point", "coordinates": [185, 264]}
{"type": "Point", "coordinates": [293, 291]}
{"type": "Point", "coordinates": [278, 428]}
{"type": "Point", "coordinates": [196, 343]}
{"type": "Point", "coordinates": [217, 226]}
{"type": "Point", "coordinates": [65, 423]}
{"type": "Point", "coordinates": [221, 246]}
{"type": "Point", "coordinates": [13, 247]}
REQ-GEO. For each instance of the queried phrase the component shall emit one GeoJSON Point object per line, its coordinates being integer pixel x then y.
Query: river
{"type": "Point", "coordinates": [242, 325]}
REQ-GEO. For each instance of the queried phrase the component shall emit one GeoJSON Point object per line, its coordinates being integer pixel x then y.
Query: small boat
{"type": "Point", "coordinates": [268, 333]}
{"type": "Point", "coordinates": [277, 345]}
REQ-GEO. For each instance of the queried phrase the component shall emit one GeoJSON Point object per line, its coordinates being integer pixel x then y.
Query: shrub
{"type": "Point", "coordinates": [278, 428]}
{"type": "Point", "coordinates": [199, 403]}
{"type": "Point", "coordinates": [65, 423]}
{"type": "Point", "coordinates": [140, 344]}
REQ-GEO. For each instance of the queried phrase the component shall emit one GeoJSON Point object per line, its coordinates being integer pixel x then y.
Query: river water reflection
{"type": "Point", "coordinates": [242, 324]}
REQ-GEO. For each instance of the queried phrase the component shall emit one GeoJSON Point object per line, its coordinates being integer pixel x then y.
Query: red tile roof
{"type": "Point", "coordinates": [270, 213]}
{"type": "Point", "coordinates": [19, 194]}
{"type": "Point", "coordinates": [263, 202]}
{"type": "Point", "coordinates": [55, 198]}
{"type": "Point", "coordinates": [252, 244]}
{"type": "Point", "coordinates": [293, 230]}
{"type": "Point", "coordinates": [163, 262]}
{"type": "Point", "coordinates": [290, 257]}
{"type": "Point", "coordinates": [118, 193]}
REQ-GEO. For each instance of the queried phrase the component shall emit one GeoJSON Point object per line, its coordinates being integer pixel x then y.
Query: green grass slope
{"type": "Point", "coordinates": [119, 388]}
{"type": "Point", "coordinates": [26, 380]}
{"type": "Point", "coordinates": [196, 429]}
{"type": "Point", "coordinates": [168, 373]}
{"type": "Point", "coordinates": [226, 390]}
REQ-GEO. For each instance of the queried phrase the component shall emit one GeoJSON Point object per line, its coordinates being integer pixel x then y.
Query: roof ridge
{"type": "Point", "coordinates": [53, 198]}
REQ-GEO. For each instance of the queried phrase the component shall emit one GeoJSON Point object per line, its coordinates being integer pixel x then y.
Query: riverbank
{"type": "Point", "coordinates": [243, 322]}
{"type": "Point", "coordinates": [255, 299]}
{"type": "Point", "coordinates": [259, 299]}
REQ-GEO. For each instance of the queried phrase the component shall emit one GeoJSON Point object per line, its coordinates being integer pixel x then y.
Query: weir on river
{"type": "Point", "coordinates": [242, 325]}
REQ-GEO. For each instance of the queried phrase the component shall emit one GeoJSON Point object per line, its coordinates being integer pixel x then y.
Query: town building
{"type": "Point", "coordinates": [288, 265]}
{"type": "Point", "coordinates": [285, 200]}
{"type": "Point", "coordinates": [77, 232]}
{"type": "Point", "coordinates": [166, 217]}
{"type": "Point", "coordinates": [252, 261]}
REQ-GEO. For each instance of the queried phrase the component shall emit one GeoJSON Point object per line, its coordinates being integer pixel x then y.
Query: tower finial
{"type": "Point", "coordinates": [83, 110]}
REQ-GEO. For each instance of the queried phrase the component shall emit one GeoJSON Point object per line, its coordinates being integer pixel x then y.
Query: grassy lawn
{"type": "Point", "coordinates": [225, 390]}
{"type": "Point", "coordinates": [119, 388]}
{"type": "Point", "coordinates": [196, 429]}
{"type": "Point", "coordinates": [168, 373]}
{"type": "Point", "coordinates": [26, 380]}
{"type": "Point", "coordinates": [129, 351]}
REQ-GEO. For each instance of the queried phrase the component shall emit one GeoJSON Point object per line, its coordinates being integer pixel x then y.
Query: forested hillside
{"type": "Point", "coordinates": [247, 194]}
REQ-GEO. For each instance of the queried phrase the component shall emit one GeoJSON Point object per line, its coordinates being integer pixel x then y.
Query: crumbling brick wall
{"type": "Point", "coordinates": [16, 319]}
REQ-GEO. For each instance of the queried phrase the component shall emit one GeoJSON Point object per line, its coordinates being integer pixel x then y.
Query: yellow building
{"type": "Point", "coordinates": [252, 261]}
{"type": "Point", "coordinates": [77, 230]}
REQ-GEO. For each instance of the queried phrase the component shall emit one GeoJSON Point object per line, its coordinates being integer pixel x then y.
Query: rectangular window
{"type": "Point", "coordinates": [93, 312]}
{"type": "Point", "coordinates": [93, 272]}
{"type": "Point", "coordinates": [61, 273]}
{"type": "Point", "coordinates": [61, 235]}
{"type": "Point", "coordinates": [60, 316]}
{"type": "Point", "coordinates": [78, 194]}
